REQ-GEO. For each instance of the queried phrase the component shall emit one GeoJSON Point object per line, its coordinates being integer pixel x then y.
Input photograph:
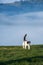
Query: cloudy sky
{"type": "Point", "coordinates": [7, 1]}
{"type": "Point", "coordinates": [14, 26]}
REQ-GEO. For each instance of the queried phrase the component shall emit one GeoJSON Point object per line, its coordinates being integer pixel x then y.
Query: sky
{"type": "Point", "coordinates": [14, 27]}
{"type": "Point", "coordinates": [7, 1]}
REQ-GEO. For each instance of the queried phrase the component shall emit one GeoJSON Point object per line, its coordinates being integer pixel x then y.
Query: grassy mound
{"type": "Point", "coordinates": [16, 55]}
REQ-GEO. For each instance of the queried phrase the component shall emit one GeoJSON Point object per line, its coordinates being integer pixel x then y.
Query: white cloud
{"type": "Point", "coordinates": [7, 1]}
{"type": "Point", "coordinates": [34, 18]}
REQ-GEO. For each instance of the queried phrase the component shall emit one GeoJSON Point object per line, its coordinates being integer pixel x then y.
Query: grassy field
{"type": "Point", "coordinates": [16, 55]}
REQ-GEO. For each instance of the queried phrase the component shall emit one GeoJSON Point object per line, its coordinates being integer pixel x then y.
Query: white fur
{"type": "Point", "coordinates": [25, 45]}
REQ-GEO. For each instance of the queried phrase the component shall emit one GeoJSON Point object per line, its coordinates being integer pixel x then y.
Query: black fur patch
{"type": "Point", "coordinates": [28, 42]}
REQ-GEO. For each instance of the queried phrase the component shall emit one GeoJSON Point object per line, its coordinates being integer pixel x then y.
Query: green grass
{"type": "Point", "coordinates": [16, 55]}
